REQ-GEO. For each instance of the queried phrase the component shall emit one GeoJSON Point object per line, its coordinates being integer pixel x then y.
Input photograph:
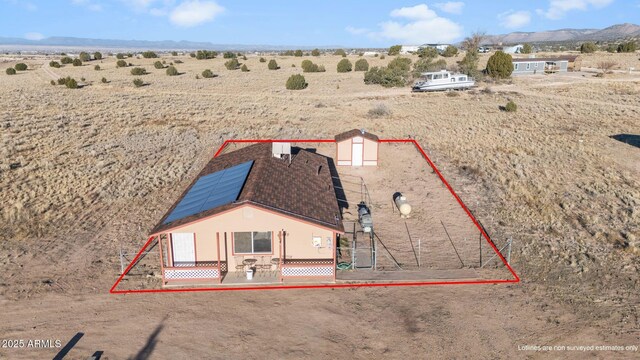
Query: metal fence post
{"type": "Point", "coordinates": [509, 251]}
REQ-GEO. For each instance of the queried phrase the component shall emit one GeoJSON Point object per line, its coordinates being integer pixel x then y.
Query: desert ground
{"type": "Point", "coordinates": [87, 171]}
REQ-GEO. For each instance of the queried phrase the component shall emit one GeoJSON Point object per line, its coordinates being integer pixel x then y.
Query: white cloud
{"type": "Point", "coordinates": [33, 36]}
{"type": "Point", "coordinates": [558, 8]}
{"type": "Point", "coordinates": [194, 12]}
{"type": "Point", "coordinates": [452, 7]}
{"type": "Point", "coordinates": [418, 25]}
{"type": "Point", "coordinates": [515, 19]}
{"type": "Point", "coordinates": [356, 31]}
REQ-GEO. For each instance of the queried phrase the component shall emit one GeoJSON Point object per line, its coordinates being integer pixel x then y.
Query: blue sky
{"type": "Point", "coordinates": [356, 23]}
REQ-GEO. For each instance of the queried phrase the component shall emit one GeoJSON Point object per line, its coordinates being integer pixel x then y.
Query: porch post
{"type": "Point", "coordinates": [219, 264]}
{"type": "Point", "coordinates": [161, 257]}
{"type": "Point", "coordinates": [335, 247]}
{"type": "Point", "coordinates": [280, 259]}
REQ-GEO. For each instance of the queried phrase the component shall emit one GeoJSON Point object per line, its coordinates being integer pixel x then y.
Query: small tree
{"type": "Point", "coordinates": [54, 64]}
{"type": "Point", "coordinates": [394, 50]}
{"type": "Point", "coordinates": [121, 63]}
{"type": "Point", "coordinates": [511, 106]}
{"type": "Point", "coordinates": [244, 68]}
{"type": "Point", "coordinates": [207, 74]}
{"type": "Point", "coordinates": [119, 56]}
{"type": "Point", "coordinates": [428, 52]}
{"type": "Point", "coordinates": [606, 66]}
{"type": "Point", "coordinates": [66, 60]}
{"type": "Point", "coordinates": [340, 52]}
{"type": "Point", "coordinates": [344, 65]}
{"type": "Point", "coordinates": [298, 53]}
{"type": "Point", "coordinates": [104, 80]}
{"type": "Point", "coordinates": [158, 65]}
{"type": "Point", "coordinates": [172, 71]}
{"type": "Point", "coordinates": [138, 82]}
{"type": "Point", "coordinates": [627, 47]}
{"type": "Point", "coordinates": [450, 51]}
{"type": "Point", "coordinates": [84, 56]}
{"type": "Point", "coordinates": [361, 65]}
{"type": "Point", "coordinates": [77, 62]}
{"type": "Point", "coordinates": [288, 53]}
{"type": "Point", "coordinates": [138, 71]}
{"type": "Point", "coordinates": [296, 82]}
{"type": "Point", "coordinates": [612, 48]}
{"type": "Point", "coordinates": [526, 49]}
{"type": "Point", "coordinates": [149, 55]}
{"type": "Point", "coordinates": [97, 55]}
{"type": "Point", "coordinates": [315, 52]}
{"type": "Point", "coordinates": [232, 64]}
{"type": "Point", "coordinates": [10, 71]}
{"type": "Point", "coordinates": [262, 60]}
{"type": "Point", "coordinates": [273, 65]}
{"type": "Point", "coordinates": [229, 55]}
{"type": "Point", "coordinates": [21, 66]}
{"type": "Point", "coordinates": [174, 53]}
{"type": "Point", "coordinates": [96, 68]}
{"type": "Point", "coordinates": [500, 65]}
{"type": "Point", "coordinates": [71, 83]}
{"type": "Point", "coordinates": [588, 47]}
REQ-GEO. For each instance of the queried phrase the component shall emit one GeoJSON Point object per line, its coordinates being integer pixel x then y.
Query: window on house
{"type": "Point", "coordinates": [528, 66]}
{"type": "Point", "coordinates": [516, 66]}
{"type": "Point", "coordinates": [252, 242]}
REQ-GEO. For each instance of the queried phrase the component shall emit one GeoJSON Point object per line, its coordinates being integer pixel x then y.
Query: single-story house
{"type": "Point", "coordinates": [262, 208]}
{"type": "Point", "coordinates": [409, 49]}
{"type": "Point", "coordinates": [440, 47]}
{"type": "Point", "coordinates": [356, 148]}
{"type": "Point", "coordinates": [543, 65]}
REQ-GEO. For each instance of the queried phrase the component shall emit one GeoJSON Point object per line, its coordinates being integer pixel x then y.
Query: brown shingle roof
{"type": "Point", "coordinates": [353, 133]}
{"type": "Point", "coordinates": [303, 189]}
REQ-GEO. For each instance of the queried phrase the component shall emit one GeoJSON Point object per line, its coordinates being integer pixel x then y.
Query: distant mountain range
{"type": "Point", "coordinates": [615, 32]}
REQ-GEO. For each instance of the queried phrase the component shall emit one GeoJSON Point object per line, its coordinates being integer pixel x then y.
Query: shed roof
{"type": "Point", "coordinates": [353, 133]}
{"type": "Point", "coordinates": [302, 189]}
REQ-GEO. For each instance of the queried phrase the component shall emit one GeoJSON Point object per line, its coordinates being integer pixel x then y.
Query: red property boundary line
{"type": "Point", "coordinates": [516, 278]}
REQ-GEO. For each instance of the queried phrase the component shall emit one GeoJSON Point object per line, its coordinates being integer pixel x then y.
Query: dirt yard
{"type": "Point", "coordinates": [84, 172]}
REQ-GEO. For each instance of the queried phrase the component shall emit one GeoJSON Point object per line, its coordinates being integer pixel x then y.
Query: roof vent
{"type": "Point", "coordinates": [362, 131]}
{"type": "Point", "coordinates": [281, 149]}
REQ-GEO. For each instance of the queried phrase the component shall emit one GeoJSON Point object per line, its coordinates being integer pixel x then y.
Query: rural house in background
{"type": "Point", "coordinates": [525, 66]}
{"type": "Point", "coordinates": [266, 208]}
{"type": "Point", "coordinates": [356, 148]}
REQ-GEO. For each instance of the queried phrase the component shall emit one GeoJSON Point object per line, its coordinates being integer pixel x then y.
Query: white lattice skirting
{"type": "Point", "coordinates": [307, 271]}
{"type": "Point", "coordinates": [191, 274]}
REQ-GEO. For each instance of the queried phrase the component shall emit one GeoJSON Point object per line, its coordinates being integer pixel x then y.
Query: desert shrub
{"type": "Point", "coordinates": [121, 63]}
{"type": "Point", "coordinates": [244, 68]}
{"type": "Point", "coordinates": [149, 55]}
{"type": "Point", "coordinates": [96, 68]}
{"type": "Point", "coordinates": [21, 66]}
{"type": "Point", "coordinates": [450, 51]}
{"type": "Point", "coordinates": [66, 60]}
{"type": "Point", "coordinates": [453, 94]}
{"type": "Point", "coordinates": [174, 53]}
{"type": "Point", "coordinates": [263, 60]}
{"type": "Point", "coordinates": [588, 47]}
{"type": "Point", "coordinates": [273, 65]}
{"type": "Point", "coordinates": [158, 65]}
{"type": "Point", "coordinates": [71, 83]}
{"type": "Point", "coordinates": [53, 82]}
{"type": "Point", "coordinates": [500, 65]}
{"type": "Point", "coordinates": [428, 52]}
{"type": "Point", "coordinates": [138, 71]}
{"type": "Point", "coordinates": [77, 62]}
{"type": "Point", "coordinates": [606, 66]}
{"type": "Point", "coordinates": [10, 71]}
{"type": "Point", "coordinates": [244, 57]}
{"type": "Point", "coordinates": [400, 63]}
{"type": "Point", "coordinates": [361, 65]}
{"type": "Point", "coordinates": [612, 48]}
{"type": "Point", "coordinates": [172, 71]}
{"type": "Point", "coordinates": [382, 57]}
{"type": "Point", "coordinates": [229, 55]}
{"type": "Point", "coordinates": [83, 79]}
{"type": "Point", "coordinates": [192, 54]}
{"type": "Point", "coordinates": [206, 54]}
{"type": "Point", "coordinates": [386, 76]}
{"type": "Point", "coordinates": [208, 74]}
{"type": "Point", "coordinates": [344, 65]}
{"type": "Point", "coordinates": [296, 82]}
{"type": "Point", "coordinates": [293, 65]}
{"type": "Point", "coordinates": [54, 64]}
{"type": "Point", "coordinates": [379, 111]}
{"type": "Point", "coordinates": [526, 49]}
{"type": "Point", "coordinates": [104, 80]}
{"type": "Point", "coordinates": [119, 56]}
{"type": "Point", "coordinates": [340, 52]}
{"type": "Point", "coordinates": [232, 64]}
{"type": "Point", "coordinates": [394, 50]}
{"type": "Point", "coordinates": [288, 53]}
{"type": "Point", "coordinates": [298, 53]}
{"type": "Point", "coordinates": [309, 66]}
{"type": "Point", "coordinates": [315, 52]}
{"type": "Point", "coordinates": [61, 81]}
{"type": "Point", "coordinates": [138, 82]}
{"type": "Point", "coordinates": [97, 55]}
{"type": "Point", "coordinates": [84, 56]}
{"type": "Point", "coordinates": [129, 54]}
{"type": "Point", "coordinates": [427, 64]}
{"type": "Point", "coordinates": [627, 47]}
{"type": "Point", "coordinates": [178, 61]}
{"type": "Point", "coordinates": [511, 106]}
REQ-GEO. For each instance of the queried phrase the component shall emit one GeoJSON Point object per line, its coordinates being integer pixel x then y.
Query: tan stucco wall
{"type": "Point", "coordinates": [344, 150]}
{"type": "Point", "coordinates": [370, 150]}
{"type": "Point", "coordinates": [299, 237]}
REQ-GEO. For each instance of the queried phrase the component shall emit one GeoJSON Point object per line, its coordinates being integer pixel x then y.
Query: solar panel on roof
{"type": "Point", "coordinates": [210, 191]}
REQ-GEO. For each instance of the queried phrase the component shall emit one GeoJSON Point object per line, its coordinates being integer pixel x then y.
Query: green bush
{"type": "Point", "coordinates": [149, 55]}
{"type": "Point", "coordinates": [96, 68]}
{"type": "Point", "coordinates": [10, 71]}
{"type": "Point", "coordinates": [232, 64]}
{"type": "Point", "coordinates": [428, 65]}
{"type": "Point", "coordinates": [526, 49]}
{"type": "Point", "coordinates": [428, 52]}
{"type": "Point", "coordinates": [121, 63]}
{"type": "Point", "coordinates": [394, 50]}
{"type": "Point", "coordinates": [361, 65]}
{"type": "Point", "coordinates": [83, 79]}
{"type": "Point", "coordinates": [309, 66]}
{"type": "Point", "coordinates": [54, 64]}
{"type": "Point", "coordinates": [66, 60]}
{"type": "Point", "coordinates": [500, 65]}
{"type": "Point", "coordinates": [382, 57]}
{"type": "Point", "coordinates": [627, 47]}
{"type": "Point", "coordinates": [138, 71]}
{"type": "Point", "coordinates": [21, 66]}
{"type": "Point", "coordinates": [450, 51]}
{"type": "Point", "coordinates": [97, 55]}
{"type": "Point", "coordinates": [288, 53]}
{"type": "Point", "coordinates": [612, 48]}
{"type": "Point", "coordinates": [340, 52]}
{"type": "Point", "coordinates": [273, 65]}
{"type": "Point", "coordinates": [400, 63]}
{"type": "Point", "coordinates": [119, 56]}
{"type": "Point", "coordinates": [244, 57]}
{"type": "Point", "coordinates": [61, 81]}
{"type": "Point", "coordinates": [158, 65]}
{"type": "Point", "coordinates": [208, 74]}
{"type": "Point", "coordinates": [53, 82]}
{"type": "Point", "coordinates": [344, 65]}
{"type": "Point", "coordinates": [71, 83]}
{"type": "Point", "coordinates": [77, 62]}
{"type": "Point", "coordinates": [511, 106]}
{"type": "Point", "coordinates": [263, 60]}
{"type": "Point", "coordinates": [588, 48]}
{"type": "Point", "coordinates": [229, 55]}
{"type": "Point", "coordinates": [172, 71]}
{"type": "Point", "coordinates": [386, 76]}
{"type": "Point", "coordinates": [296, 82]}
{"type": "Point", "coordinates": [174, 53]}
{"type": "Point", "coordinates": [84, 56]}
{"type": "Point", "coordinates": [104, 80]}
{"type": "Point", "coordinates": [205, 54]}
{"type": "Point", "coordinates": [298, 53]}
{"type": "Point", "coordinates": [138, 82]}
{"type": "Point", "coordinates": [315, 52]}
{"type": "Point", "coordinates": [244, 68]}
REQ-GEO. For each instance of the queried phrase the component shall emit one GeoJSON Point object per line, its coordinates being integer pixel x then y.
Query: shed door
{"type": "Point", "coordinates": [356, 155]}
{"type": "Point", "coordinates": [183, 247]}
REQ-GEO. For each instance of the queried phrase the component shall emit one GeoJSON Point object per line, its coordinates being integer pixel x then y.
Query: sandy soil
{"type": "Point", "coordinates": [86, 171]}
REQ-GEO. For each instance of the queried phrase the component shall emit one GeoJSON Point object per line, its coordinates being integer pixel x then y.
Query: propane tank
{"type": "Point", "coordinates": [403, 204]}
